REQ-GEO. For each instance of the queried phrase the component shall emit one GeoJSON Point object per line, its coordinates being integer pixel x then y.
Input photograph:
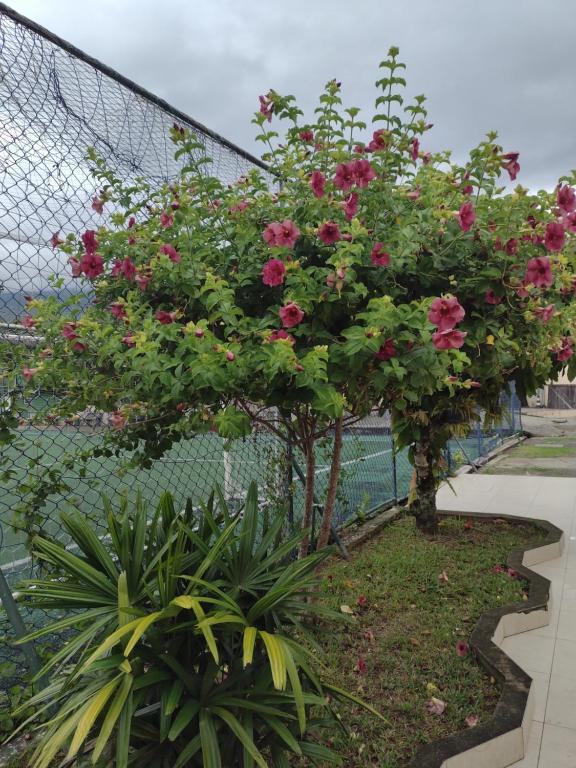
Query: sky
{"type": "Point", "coordinates": [505, 65]}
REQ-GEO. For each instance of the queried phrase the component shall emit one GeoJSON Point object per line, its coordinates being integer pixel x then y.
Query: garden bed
{"type": "Point", "coordinates": [416, 602]}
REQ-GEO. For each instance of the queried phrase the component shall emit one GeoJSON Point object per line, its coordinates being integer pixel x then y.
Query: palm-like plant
{"type": "Point", "coordinates": [187, 645]}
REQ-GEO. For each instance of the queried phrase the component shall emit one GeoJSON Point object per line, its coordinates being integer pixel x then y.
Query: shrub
{"type": "Point", "coordinates": [187, 648]}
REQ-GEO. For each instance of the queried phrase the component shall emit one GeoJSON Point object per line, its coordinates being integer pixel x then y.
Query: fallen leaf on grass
{"type": "Point", "coordinates": [361, 667]}
{"type": "Point", "coordinates": [346, 609]}
{"type": "Point", "coordinates": [436, 706]}
{"type": "Point", "coordinates": [472, 721]}
{"type": "Point", "coordinates": [462, 648]}
{"type": "Point", "coordinates": [369, 635]}
{"type": "Point", "coordinates": [443, 578]}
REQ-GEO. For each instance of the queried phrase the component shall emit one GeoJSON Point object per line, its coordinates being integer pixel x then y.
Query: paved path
{"type": "Point", "coordinates": [547, 654]}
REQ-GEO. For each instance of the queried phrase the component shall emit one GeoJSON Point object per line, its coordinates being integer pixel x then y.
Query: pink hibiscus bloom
{"type": "Point", "coordinates": [230, 356]}
{"type": "Point", "coordinates": [554, 236]}
{"type": "Point", "coordinates": [273, 272]}
{"type": "Point", "coordinates": [29, 322]}
{"type": "Point", "coordinates": [350, 206]}
{"type": "Point", "coordinates": [569, 222]}
{"type": "Point", "coordinates": [69, 331]}
{"type": "Point", "coordinates": [126, 268]}
{"type": "Point", "coordinates": [166, 220]}
{"type": "Point", "coordinates": [266, 107]}
{"type": "Point", "coordinates": [545, 313]}
{"type": "Point", "coordinates": [414, 149]}
{"type": "Point", "coordinates": [171, 252]}
{"type": "Point", "coordinates": [511, 164]}
{"type": "Point", "coordinates": [97, 204]}
{"type": "Point", "coordinates": [307, 136]}
{"type": "Point", "coordinates": [329, 233]}
{"type": "Point", "coordinates": [92, 265]}
{"type": "Point", "coordinates": [129, 340]}
{"type": "Point", "coordinates": [566, 198]}
{"type": "Point", "coordinates": [379, 257]}
{"type": "Point", "coordinates": [446, 313]}
{"type": "Point", "coordinates": [414, 194]}
{"type": "Point", "coordinates": [317, 183]}
{"type": "Point", "coordinates": [565, 351]}
{"type": "Point", "coordinates": [491, 298]}
{"type": "Point", "coordinates": [117, 310]}
{"type": "Point", "coordinates": [378, 141]}
{"type": "Point", "coordinates": [281, 234]}
{"type": "Point", "coordinates": [29, 373]}
{"type": "Point", "coordinates": [165, 318]}
{"type": "Point", "coordinates": [291, 315]}
{"type": "Point", "coordinates": [466, 216]}
{"type": "Point", "coordinates": [512, 247]}
{"type": "Point", "coordinates": [387, 351]}
{"type": "Point", "coordinates": [363, 172]}
{"type": "Point", "coordinates": [345, 176]}
{"type": "Point", "coordinates": [75, 267]}
{"type": "Point", "coordinates": [451, 339]}
{"type": "Point", "coordinates": [281, 335]}
{"type": "Point", "coordinates": [131, 222]}
{"type": "Point", "coordinates": [79, 347]}
{"type": "Point", "coordinates": [89, 241]}
{"type": "Point", "coordinates": [56, 240]}
{"type": "Point", "coordinates": [539, 272]}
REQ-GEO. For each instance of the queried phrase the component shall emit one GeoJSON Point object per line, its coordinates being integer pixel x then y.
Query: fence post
{"type": "Point", "coordinates": [9, 605]}
{"type": "Point", "coordinates": [394, 469]}
{"type": "Point", "coordinates": [479, 440]}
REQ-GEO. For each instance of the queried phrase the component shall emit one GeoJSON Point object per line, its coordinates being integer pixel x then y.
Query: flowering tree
{"type": "Point", "coordinates": [360, 274]}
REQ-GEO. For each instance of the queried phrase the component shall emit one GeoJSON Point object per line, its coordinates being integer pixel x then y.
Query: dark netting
{"type": "Point", "coordinates": [54, 103]}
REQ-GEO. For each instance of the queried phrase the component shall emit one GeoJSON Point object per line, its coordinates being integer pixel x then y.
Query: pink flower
{"type": "Point", "coordinates": [554, 236]}
{"type": "Point", "coordinates": [79, 347]}
{"type": "Point", "coordinates": [446, 313]}
{"type": "Point", "coordinates": [361, 666]}
{"type": "Point", "coordinates": [55, 240]}
{"type": "Point", "coordinates": [131, 222]}
{"type": "Point", "coordinates": [29, 373]}
{"type": "Point", "coordinates": [436, 706]}
{"type": "Point", "coordinates": [281, 234]}
{"type": "Point", "coordinates": [539, 272]}
{"type": "Point", "coordinates": [273, 272]}
{"type": "Point", "coordinates": [387, 351]}
{"type": "Point", "coordinates": [545, 313]}
{"type": "Point", "coordinates": [512, 247]}
{"type": "Point", "coordinates": [281, 335]}
{"type": "Point", "coordinates": [291, 315]}
{"type": "Point", "coordinates": [426, 157]}
{"type": "Point", "coordinates": [414, 194]}
{"type": "Point", "coordinates": [379, 257]}
{"type": "Point", "coordinates": [378, 141]}
{"type": "Point", "coordinates": [511, 164]}
{"type": "Point", "coordinates": [142, 280]}
{"type": "Point", "coordinates": [69, 331]}
{"type": "Point", "coordinates": [345, 176]}
{"type": "Point", "coordinates": [230, 356]}
{"type": "Point", "coordinates": [97, 204]}
{"type": "Point", "coordinates": [565, 351]}
{"type": "Point", "coordinates": [491, 298]}
{"type": "Point", "coordinates": [466, 216]}
{"type": "Point", "coordinates": [76, 269]}
{"type": "Point", "coordinates": [306, 136]}
{"type": "Point", "coordinates": [92, 265]}
{"type": "Point", "coordinates": [129, 340]}
{"type": "Point", "coordinates": [166, 220]}
{"type": "Point", "coordinates": [126, 267]}
{"type": "Point", "coordinates": [512, 573]}
{"type": "Point", "coordinates": [165, 318]}
{"type": "Point", "coordinates": [462, 648]}
{"type": "Point", "coordinates": [239, 207]}
{"type": "Point", "coordinates": [199, 333]}
{"type": "Point", "coordinates": [117, 420]}
{"type": "Point", "coordinates": [414, 149]}
{"type": "Point", "coordinates": [468, 189]}
{"type": "Point", "coordinates": [29, 322]}
{"type": "Point", "coordinates": [117, 310]}
{"type": "Point", "coordinates": [566, 198]}
{"type": "Point", "coordinates": [568, 221]}
{"type": "Point", "coordinates": [89, 241]}
{"type": "Point", "coordinates": [329, 233]}
{"type": "Point", "coordinates": [350, 206]}
{"type": "Point", "coordinates": [498, 569]}
{"type": "Point", "coordinates": [472, 721]}
{"type": "Point", "coordinates": [451, 339]}
{"type": "Point", "coordinates": [317, 183]}
{"type": "Point", "coordinates": [362, 601]}
{"type": "Point", "coordinates": [266, 107]}
{"type": "Point", "coordinates": [171, 252]}
{"type": "Point", "coordinates": [363, 172]}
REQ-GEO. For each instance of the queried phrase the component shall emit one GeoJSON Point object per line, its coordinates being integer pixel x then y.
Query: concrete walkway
{"type": "Point", "coordinates": [547, 654]}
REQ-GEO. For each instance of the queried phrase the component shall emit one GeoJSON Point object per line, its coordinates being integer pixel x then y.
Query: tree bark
{"type": "Point", "coordinates": [308, 497]}
{"type": "Point", "coordinates": [423, 507]}
{"type": "Point", "coordinates": [328, 514]}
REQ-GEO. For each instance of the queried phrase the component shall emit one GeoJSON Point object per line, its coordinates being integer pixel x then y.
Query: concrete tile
{"type": "Point", "coordinates": [558, 748]}
{"type": "Point", "coordinates": [566, 629]}
{"type": "Point", "coordinates": [530, 651]}
{"type": "Point", "coordinates": [560, 709]}
{"type": "Point", "coordinates": [541, 683]}
{"type": "Point", "coordinates": [564, 662]}
{"type": "Point", "coordinates": [532, 752]}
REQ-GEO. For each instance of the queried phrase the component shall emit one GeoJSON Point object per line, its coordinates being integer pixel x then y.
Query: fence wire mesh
{"type": "Point", "coordinates": [54, 103]}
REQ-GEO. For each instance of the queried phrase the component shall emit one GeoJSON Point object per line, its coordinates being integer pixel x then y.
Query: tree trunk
{"type": "Point", "coordinates": [308, 497]}
{"type": "Point", "coordinates": [325, 527]}
{"type": "Point", "coordinates": [423, 506]}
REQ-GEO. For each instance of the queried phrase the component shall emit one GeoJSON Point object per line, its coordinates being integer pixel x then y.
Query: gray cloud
{"type": "Point", "coordinates": [484, 65]}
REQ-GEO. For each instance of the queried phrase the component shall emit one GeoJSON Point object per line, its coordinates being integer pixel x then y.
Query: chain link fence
{"type": "Point", "coordinates": [55, 102]}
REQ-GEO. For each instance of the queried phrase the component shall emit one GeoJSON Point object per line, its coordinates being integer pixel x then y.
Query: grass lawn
{"type": "Point", "coordinates": [400, 648]}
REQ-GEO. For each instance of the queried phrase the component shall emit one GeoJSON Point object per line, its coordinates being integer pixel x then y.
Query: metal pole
{"type": "Point", "coordinates": [394, 469]}
{"type": "Point", "coordinates": [9, 605]}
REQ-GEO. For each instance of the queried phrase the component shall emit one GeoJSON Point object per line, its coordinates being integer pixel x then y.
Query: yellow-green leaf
{"type": "Point", "coordinates": [248, 644]}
